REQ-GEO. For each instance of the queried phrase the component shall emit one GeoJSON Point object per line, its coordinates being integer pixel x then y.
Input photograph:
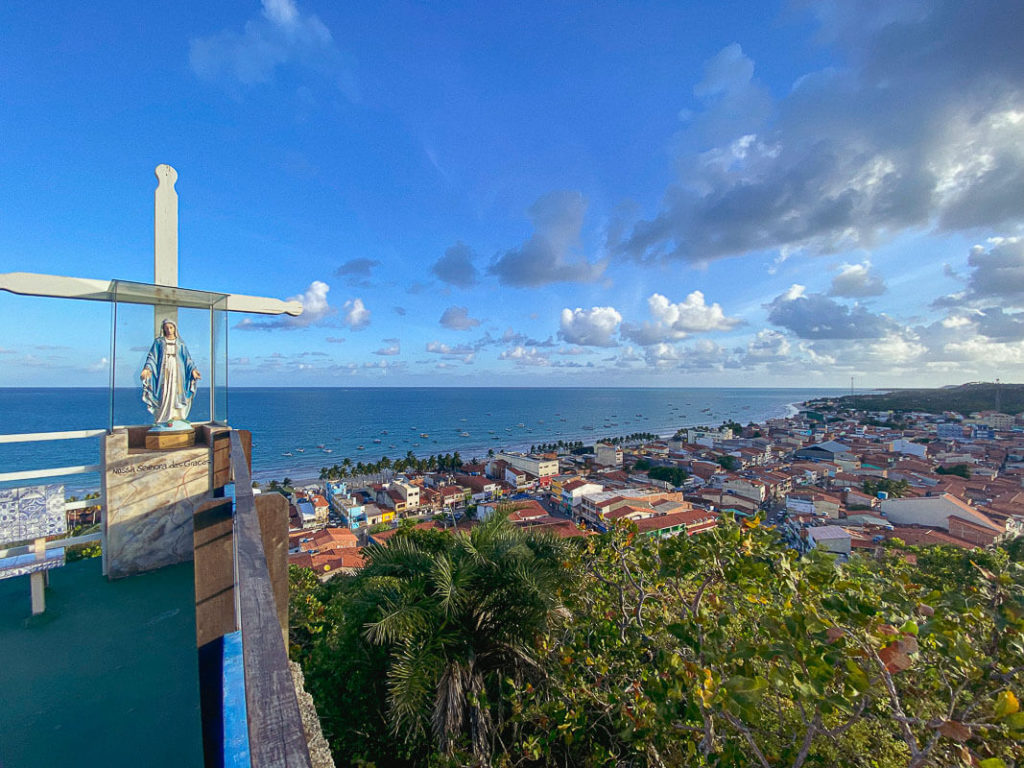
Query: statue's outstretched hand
{"type": "Point", "coordinates": [197, 375]}
{"type": "Point", "coordinates": [145, 375]}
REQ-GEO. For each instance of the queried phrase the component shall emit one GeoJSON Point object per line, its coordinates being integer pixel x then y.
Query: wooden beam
{"type": "Point", "coordinates": [213, 560]}
{"type": "Point", "coordinates": [276, 735]}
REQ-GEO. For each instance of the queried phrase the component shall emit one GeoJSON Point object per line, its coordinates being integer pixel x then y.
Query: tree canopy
{"type": "Point", "coordinates": [724, 648]}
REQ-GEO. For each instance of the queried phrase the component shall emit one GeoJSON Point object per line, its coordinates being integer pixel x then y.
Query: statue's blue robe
{"type": "Point", "coordinates": [152, 391]}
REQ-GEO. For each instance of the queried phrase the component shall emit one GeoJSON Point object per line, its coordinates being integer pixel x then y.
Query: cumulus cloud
{"type": "Point", "coordinates": [463, 352]}
{"type": "Point", "coordinates": [281, 35]}
{"type": "Point", "coordinates": [674, 321]}
{"type": "Point", "coordinates": [456, 267]}
{"type": "Point", "coordinates": [815, 316]}
{"type": "Point", "coordinates": [997, 272]}
{"type": "Point", "coordinates": [458, 319]}
{"type": "Point", "coordinates": [391, 347]}
{"type": "Point", "coordinates": [315, 310]}
{"type": "Point", "coordinates": [856, 281]}
{"type": "Point", "coordinates": [920, 128]}
{"type": "Point", "coordinates": [357, 316]}
{"type": "Point", "coordinates": [767, 346]}
{"type": "Point", "coordinates": [552, 254]}
{"type": "Point", "coordinates": [593, 327]}
{"type": "Point", "coordinates": [662, 355]}
{"type": "Point", "coordinates": [525, 356]}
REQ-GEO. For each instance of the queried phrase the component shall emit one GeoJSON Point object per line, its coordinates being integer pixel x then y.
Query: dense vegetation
{"type": "Point", "coordinates": [673, 475]}
{"type": "Point", "coordinates": [894, 488]}
{"type": "Point", "coordinates": [502, 648]}
{"type": "Point", "coordinates": [448, 462]}
{"type": "Point", "coordinates": [966, 398]}
{"type": "Point", "coordinates": [960, 470]}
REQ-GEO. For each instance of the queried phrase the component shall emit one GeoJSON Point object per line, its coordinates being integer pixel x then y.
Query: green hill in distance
{"type": "Point", "coordinates": [965, 399]}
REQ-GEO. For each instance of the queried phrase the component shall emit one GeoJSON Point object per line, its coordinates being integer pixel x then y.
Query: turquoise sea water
{"type": "Point", "coordinates": [387, 421]}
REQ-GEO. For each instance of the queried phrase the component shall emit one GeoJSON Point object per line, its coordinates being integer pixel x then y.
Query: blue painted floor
{"type": "Point", "coordinates": [106, 677]}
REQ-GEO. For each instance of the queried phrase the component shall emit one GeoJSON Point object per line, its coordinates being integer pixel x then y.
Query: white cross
{"type": "Point", "coordinates": [165, 240]}
{"type": "Point", "coordinates": [165, 269]}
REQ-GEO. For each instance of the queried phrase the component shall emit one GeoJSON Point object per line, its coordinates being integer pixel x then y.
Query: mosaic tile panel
{"type": "Point", "coordinates": [32, 512]}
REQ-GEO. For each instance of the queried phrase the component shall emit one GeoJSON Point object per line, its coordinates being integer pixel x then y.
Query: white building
{"type": "Point", "coordinates": [410, 493]}
{"type": "Point", "coordinates": [538, 466]}
{"type": "Point", "coordinates": [608, 455]}
{"type": "Point", "coordinates": [708, 437]}
{"type": "Point", "coordinates": [946, 512]}
{"type": "Point", "coordinates": [830, 538]}
{"type": "Point", "coordinates": [909, 447]}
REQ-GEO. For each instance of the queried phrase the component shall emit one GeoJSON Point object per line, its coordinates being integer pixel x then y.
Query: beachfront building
{"type": "Point", "coordinates": [480, 488]}
{"type": "Point", "coordinates": [573, 493]}
{"type": "Point", "coordinates": [376, 515]}
{"type": "Point", "coordinates": [597, 508]}
{"type": "Point", "coordinates": [307, 514]}
{"type": "Point", "coordinates": [538, 465]}
{"type": "Point", "coordinates": [409, 496]}
{"type": "Point", "coordinates": [708, 437]}
{"type": "Point", "coordinates": [608, 455]}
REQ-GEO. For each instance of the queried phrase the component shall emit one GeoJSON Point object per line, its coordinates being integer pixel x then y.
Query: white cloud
{"type": "Point", "coordinates": [281, 35]}
{"type": "Point", "coordinates": [766, 346]}
{"type": "Point", "coordinates": [458, 319]}
{"type": "Point", "coordinates": [661, 355]}
{"type": "Point", "coordinates": [856, 281]}
{"type": "Point", "coordinates": [315, 310]}
{"type": "Point", "coordinates": [919, 129]}
{"type": "Point", "coordinates": [593, 327]}
{"type": "Point", "coordinates": [525, 356]}
{"type": "Point", "coordinates": [676, 321]}
{"type": "Point", "coordinates": [391, 347]}
{"type": "Point", "coordinates": [357, 316]}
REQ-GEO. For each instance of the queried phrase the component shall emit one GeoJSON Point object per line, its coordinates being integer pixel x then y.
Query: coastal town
{"type": "Point", "coordinates": [827, 478]}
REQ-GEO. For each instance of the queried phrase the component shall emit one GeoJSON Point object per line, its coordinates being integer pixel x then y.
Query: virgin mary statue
{"type": "Point", "coordinates": [169, 379]}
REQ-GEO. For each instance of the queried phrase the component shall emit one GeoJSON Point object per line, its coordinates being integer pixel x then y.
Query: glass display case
{"type": "Point", "coordinates": [201, 320]}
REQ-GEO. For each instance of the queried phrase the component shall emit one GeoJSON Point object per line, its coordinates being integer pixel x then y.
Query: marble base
{"type": "Point", "coordinates": [150, 499]}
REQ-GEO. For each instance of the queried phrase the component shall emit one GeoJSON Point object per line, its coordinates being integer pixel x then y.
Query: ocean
{"type": "Point", "coordinates": [296, 431]}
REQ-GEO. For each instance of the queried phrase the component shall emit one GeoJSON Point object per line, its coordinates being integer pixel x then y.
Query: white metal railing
{"type": "Point", "coordinates": [38, 437]}
{"type": "Point", "coordinates": [26, 549]}
{"type": "Point", "coordinates": [33, 474]}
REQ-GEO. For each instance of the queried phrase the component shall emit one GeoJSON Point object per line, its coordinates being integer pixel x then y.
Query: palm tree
{"type": "Point", "coordinates": [457, 622]}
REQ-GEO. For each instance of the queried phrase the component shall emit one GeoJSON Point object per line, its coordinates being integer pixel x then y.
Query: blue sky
{"type": "Point", "coordinates": [537, 193]}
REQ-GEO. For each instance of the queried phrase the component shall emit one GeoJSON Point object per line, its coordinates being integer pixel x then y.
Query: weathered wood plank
{"type": "Point", "coordinates": [214, 570]}
{"type": "Point", "coordinates": [276, 736]}
{"type": "Point", "coordinates": [273, 513]}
